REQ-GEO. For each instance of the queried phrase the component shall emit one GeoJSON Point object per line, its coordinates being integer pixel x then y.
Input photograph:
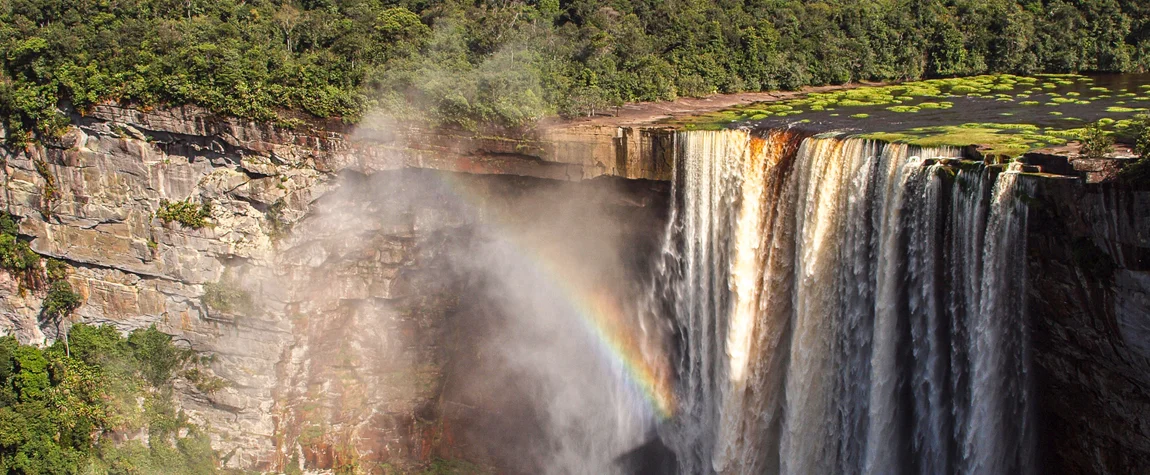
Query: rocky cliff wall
{"type": "Point", "coordinates": [1089, 272]}
{"type": "Point", "coordinates": [327, 282]}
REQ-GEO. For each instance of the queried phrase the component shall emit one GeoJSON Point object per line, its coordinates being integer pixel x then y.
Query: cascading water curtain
{"type": "Point", "coordinates": [845, 306]}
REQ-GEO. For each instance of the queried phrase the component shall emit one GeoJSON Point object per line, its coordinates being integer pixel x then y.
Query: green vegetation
{"type": "Point", "coordinates": [226, 297]}
{"type": "Point", "coordinates": [905, 94]}
{"type": "Point", "coordinates": [1008, 140]}
{"type": "Point", "coordinates": [204, 382]}
{"type": "Point", "coordinates": [49, 192]}
{"type": "Point", "coordinates": [60, 303]}
{"type": "Point", "coordinates": [63, 413]}
{"type": "Point", "coordinates": [1139, 128]}
{"type": "Point", "coordinates": [27, 267]}
{"type": "Point", "coordinates": [1004, 140]}
{"type": "Point", "coordinates": [441, 466]}
{"type": "Point", "coordinates": [1095, 142]}
{"type": "Point", "coordinates": [278, 226]}
{"type": "Point", "coordinates": [187, 213]}
{"type": "Point", "coordinates": [509, 63]}
{"type": "Point", "coordinates": [902, 109]}
{"type": "Point", "coordinates": [17, 257]}
{"type": "Point", "coordinates": [56, 270]}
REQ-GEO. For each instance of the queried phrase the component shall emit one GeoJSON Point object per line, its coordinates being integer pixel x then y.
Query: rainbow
{"type": "Point", "coordinates": [606, 322]}
{"type": "Point", "coordinates": [600, 314]}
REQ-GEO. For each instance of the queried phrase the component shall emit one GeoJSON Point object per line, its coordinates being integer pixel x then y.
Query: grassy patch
{"type": "Point", "coordinates": [1122, 110]}
{"type": "Point", "coordinates": [936, 105]}
{"type": "Point", "coordinates": [1009, 140]}
{"type": "Point", "coordinates": [902, 109]}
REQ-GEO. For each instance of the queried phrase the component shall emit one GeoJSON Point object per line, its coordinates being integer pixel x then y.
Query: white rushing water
{"type": "Point", "coordinates": [845, 306]}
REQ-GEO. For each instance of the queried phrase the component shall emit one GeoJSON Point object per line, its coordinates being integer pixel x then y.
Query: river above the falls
{"type": "Point", "coordinates": [1012, 114]}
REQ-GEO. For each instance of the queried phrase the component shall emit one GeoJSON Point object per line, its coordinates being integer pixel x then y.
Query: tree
{"type": "Point", "coordinates": [59, 413]}
{"type": "Point", "coordinates": [287, 18]}
{"type": "Point", "coordinates": [59, 305]}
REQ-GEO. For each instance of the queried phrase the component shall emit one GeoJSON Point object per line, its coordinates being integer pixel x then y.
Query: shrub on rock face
{"type": "Point", "coordinates": [187, 213]}
{"type": "Point", "coordinates": [17, 258]}
{"type": "Point", "coordinates": [8, 224]}
{"type": "Point", "coordinates": [1096, 143]}
{"type": "Point", "coordinates": [227, 298]}
{"type": "Point", "coordinates": [56, 270]}
{"type": "Point", "coordinates": [157, 356]}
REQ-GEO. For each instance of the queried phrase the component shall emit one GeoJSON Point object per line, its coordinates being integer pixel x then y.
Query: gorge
{"type": "Point", "coordinates": [609, 298]}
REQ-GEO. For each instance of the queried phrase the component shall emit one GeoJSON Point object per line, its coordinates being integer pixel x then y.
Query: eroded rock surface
{"type": "Point", "coordinates": [339, 254]}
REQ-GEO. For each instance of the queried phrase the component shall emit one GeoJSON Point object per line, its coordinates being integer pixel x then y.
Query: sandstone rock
{"type": "Point", "coordinates": [348, 275]}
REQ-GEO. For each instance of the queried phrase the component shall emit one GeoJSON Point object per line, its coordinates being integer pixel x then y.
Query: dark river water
{"type": "Point", "coordinates": [1049, 102]}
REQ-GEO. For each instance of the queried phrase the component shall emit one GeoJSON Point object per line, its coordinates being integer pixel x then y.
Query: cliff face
{"type": "Point", "coordinates": [328, 282]}
{"type": "Point", "coordinates": [1089, 272]}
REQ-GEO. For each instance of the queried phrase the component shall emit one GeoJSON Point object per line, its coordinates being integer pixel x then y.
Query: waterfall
{"type": "Point", "coordinates": [845, 306]}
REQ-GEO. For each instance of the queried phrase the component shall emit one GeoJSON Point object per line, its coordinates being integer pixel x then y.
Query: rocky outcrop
{"type": "Point", "coordinates": [326, 283]}
{"type": "Point", "coordinates": [574, 152]}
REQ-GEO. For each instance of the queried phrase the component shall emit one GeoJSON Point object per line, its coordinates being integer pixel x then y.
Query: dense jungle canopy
{"type": "Point", "coordinates": [509, 63]}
